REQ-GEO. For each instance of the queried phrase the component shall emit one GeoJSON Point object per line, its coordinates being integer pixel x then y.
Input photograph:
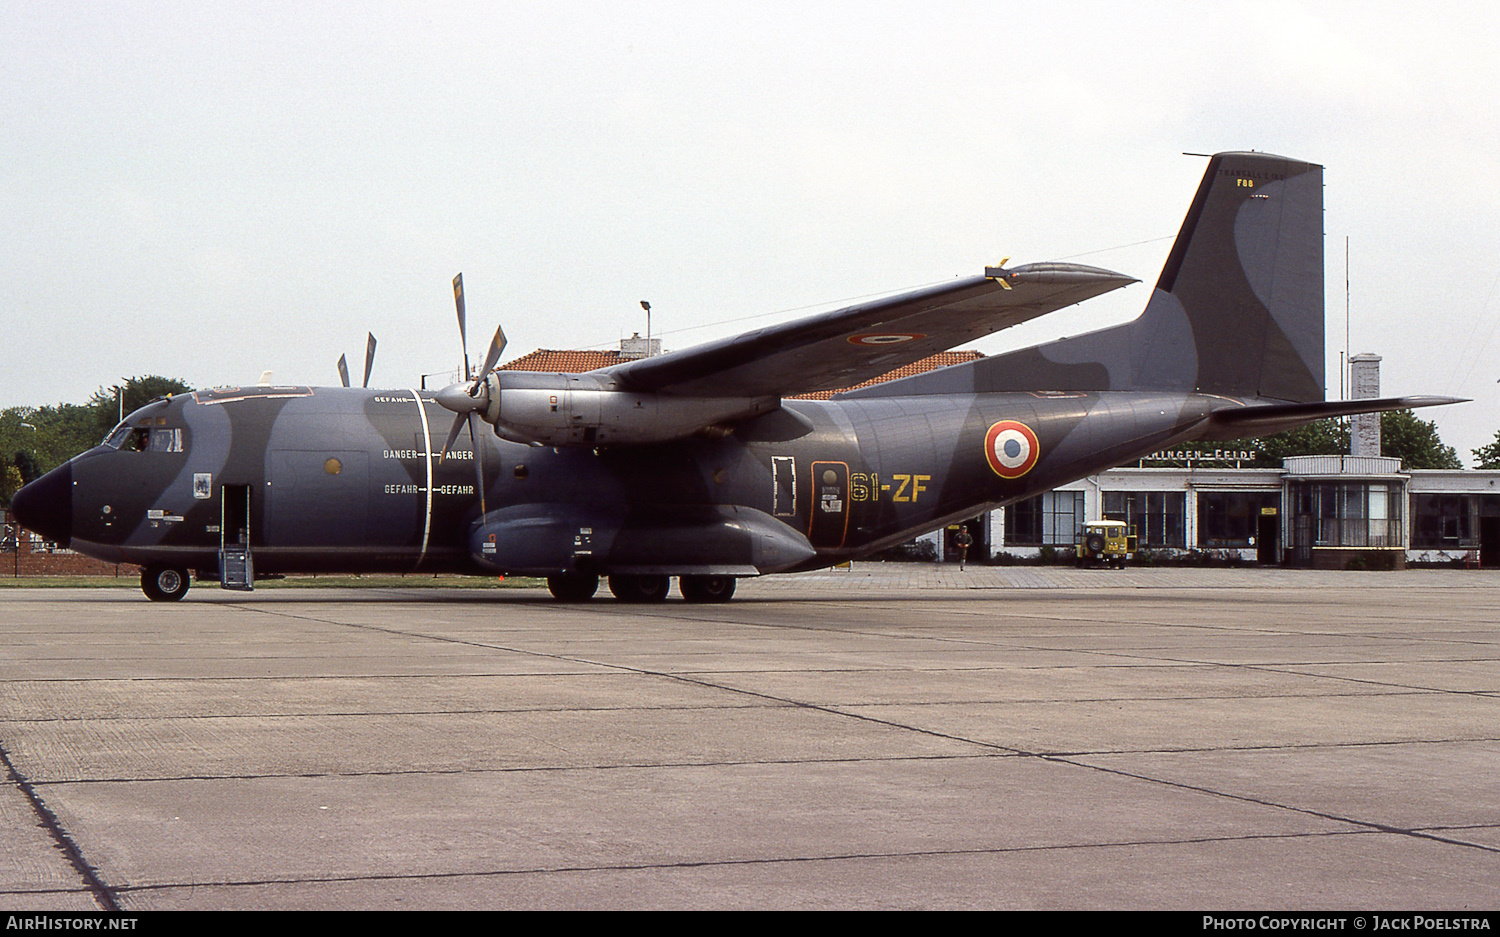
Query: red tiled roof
{"type": "Point", "coordinates": [572, 362]}
{"type": "Point", "coordinates": [942, 359]}
{"type": "Point", "coordinates": [550, 359]}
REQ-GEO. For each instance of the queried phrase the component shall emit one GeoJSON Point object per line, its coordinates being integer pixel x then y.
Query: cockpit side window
{"type": "Point", "coordinates": [166, 439]}
{"type": "Point", "coordinates": [129, 439]}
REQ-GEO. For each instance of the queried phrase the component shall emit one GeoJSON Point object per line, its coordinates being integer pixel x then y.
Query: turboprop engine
{"type": "Point", "coordinates": [586, 410]}
{"type": "Point", "coordinates": [555, 409]}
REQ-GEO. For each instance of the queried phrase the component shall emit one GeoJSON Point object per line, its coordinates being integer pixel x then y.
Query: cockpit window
{"type": "Point", "coordinates": [146, 439]}
{"type": "Point", "coordinates": [117, 435]}
{"type": "Point", "coordinates": [166, 439]}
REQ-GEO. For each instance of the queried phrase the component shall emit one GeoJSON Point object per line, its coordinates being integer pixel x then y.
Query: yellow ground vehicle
{"type": "Point", "coordinates": [1105, 543]}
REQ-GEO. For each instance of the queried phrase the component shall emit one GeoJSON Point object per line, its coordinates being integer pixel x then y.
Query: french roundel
{"type": "Point", "coordinates": [1011, 448]}
{"type": "Point", "coordinates": [885, 338]}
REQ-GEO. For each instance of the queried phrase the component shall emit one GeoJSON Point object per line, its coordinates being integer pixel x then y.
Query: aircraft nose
{"type": "Point", "coordinates": [46, 505]}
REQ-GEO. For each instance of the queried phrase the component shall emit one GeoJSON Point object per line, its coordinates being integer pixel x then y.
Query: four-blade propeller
{"type": "Point", "coordinates": [470, 397]}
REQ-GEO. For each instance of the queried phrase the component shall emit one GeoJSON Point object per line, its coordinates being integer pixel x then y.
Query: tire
{"type": "Point", "coordinates": [1094, 542]}
{"type": "Point", "coordinates": [640, 588]}
{"type": "Point", "coordinates": [163, 583]}
{"type": "Point", "coordinates": [573, 587]}
{"type": "Point", "coordinates": [706, 588]}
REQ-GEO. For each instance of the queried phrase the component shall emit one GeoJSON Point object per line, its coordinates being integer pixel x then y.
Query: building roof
{"type": "Point", "coordinates": [552, 359]}
{"type": "Point", "coordinates": [942, 359]}
{"type": "Point", "coordinates": [571, 362]}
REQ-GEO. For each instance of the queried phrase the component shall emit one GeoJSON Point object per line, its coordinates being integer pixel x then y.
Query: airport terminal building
{"type": "Point", "coordinates": [1322, 512]}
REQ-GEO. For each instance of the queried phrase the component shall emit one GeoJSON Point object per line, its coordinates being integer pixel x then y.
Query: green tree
{"type": "Point", "coordinates": [1415, 442]}
{"type": "Point", "coordinates": [10, 483]}
{"type": "Point", "coordinates": [137, 392]}
{"type": "Point", "coordinates": [26, 466]}
{"type": "Point", "coordinates": [1488, 457]}
{"type": "Point", "coordinates": [1325, 437]}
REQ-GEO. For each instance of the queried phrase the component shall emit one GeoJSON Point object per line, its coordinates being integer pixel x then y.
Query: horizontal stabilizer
{"type": "Point", "coordinates": [1241, 422]}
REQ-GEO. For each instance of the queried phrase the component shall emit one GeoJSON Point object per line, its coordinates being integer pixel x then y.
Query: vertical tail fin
{"type": "Point", "coordinates": [1238, 309]}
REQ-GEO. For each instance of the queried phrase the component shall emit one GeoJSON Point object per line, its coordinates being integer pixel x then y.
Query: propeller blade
{"type": "Point", "coordinates": [478, 460]}
{"type": "Point", "coordinates": [492, 357]}
{"type": "Point", "coordinates": [369, 358]}
{"type": "Point", "coordinates": [344, 369]}
{"type": "Point", "coordinates": [458, 424]}
{"type": "Point", "coordinates": [463, 322]}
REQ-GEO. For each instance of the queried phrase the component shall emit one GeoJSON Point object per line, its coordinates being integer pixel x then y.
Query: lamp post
{"type": "Point", "coordinates": [647, 306]}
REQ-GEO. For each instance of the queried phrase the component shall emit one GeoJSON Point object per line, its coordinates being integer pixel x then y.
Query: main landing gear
{"type": "Point", "coordinates": [706, 588]}
{"type": "Point", "coordinates": [580, 587]}
{"type": "Point", "coordinates": [640, 588]}
{"type": "Point", "coordinates": [163, 583]}
{"type": "Point", "coordinates": [573, 587]}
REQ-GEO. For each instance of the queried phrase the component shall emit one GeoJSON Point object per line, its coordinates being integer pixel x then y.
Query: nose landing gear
{"type": "Point", "coordinates": [163, 583]}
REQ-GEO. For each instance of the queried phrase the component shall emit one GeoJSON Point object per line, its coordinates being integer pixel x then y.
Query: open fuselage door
{"type": "Point", "coordinates": [236, 568]}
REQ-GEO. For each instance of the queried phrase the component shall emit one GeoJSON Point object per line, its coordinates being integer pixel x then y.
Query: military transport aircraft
{"type": "Point", "coordinates": [695, 463]}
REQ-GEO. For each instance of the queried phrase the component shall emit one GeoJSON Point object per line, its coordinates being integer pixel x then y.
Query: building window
{"type": "Point", "coordinates": [1053, 518]}
{"type": "Point", "coordinates": [1232, 518]}
{"type": "Point", "coordinates": [1349, 514]}
{"type": "Point", "coordinates": [1444, 522]}
{"type": "Point", "coordinates": [1156, 517]}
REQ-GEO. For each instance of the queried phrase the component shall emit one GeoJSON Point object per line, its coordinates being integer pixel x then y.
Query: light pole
{"type": "Point", "coordinates": [647, 306]}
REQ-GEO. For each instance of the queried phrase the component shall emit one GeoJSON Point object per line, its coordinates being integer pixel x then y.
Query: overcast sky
{"type": "Point", "coordinates": [206, 192]}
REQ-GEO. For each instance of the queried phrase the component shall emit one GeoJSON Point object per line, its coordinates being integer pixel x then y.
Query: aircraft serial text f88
{"type": "Point", "coordinates": [694, 463]}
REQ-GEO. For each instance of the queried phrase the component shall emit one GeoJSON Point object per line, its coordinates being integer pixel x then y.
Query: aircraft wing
{"type": "Point", "coordinates": [851, 345]}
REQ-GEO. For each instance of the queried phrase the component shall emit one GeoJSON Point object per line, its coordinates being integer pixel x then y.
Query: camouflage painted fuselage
{"type": "Point", "coordinates": [343, 480]}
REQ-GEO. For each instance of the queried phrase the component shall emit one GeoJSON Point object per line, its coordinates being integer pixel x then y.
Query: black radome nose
{"type": "Point", "coordinates": [46, 505]}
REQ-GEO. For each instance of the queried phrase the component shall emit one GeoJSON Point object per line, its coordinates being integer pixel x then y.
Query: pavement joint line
{"type": "Point", "coordinates": [524, 769]}
{"type": "Point", "coordinates": [763, 762]}
{"type": "Point", "coordinates": [376, 713]}
{"type": "Point", "coordinates": [61, 840]}
{"type": "Point", "coordinates": [1285, 669]}
{"type": "Point", "coordinates": [747, 861]}
{"type": "Point", "coordinates": [686, 707]}
{"type": "Point", "coordinates": [1372, 825]}
{"type": "Point", "coordinates": [1487, 694]}
{"type": "Point", "coordinates": [81, 890]}
{"type": "Point", "coordinates": [948, 638]}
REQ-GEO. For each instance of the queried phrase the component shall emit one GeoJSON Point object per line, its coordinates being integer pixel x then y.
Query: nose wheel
{"type": "Point", "coordinates": [164, 583]}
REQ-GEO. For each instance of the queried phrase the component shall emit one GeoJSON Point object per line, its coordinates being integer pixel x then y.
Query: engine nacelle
{"type": "Point", "coordinates": [584, 410]}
